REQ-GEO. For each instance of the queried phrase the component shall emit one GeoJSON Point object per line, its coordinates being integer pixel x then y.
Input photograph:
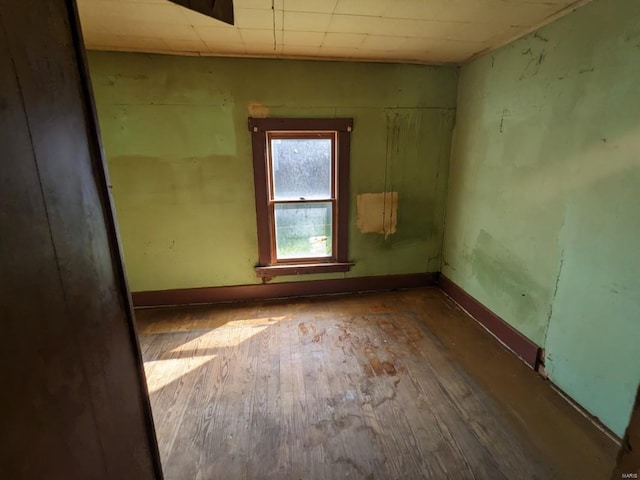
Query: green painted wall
{"type": "Point", "coordinates": [179, 156]}
{"type": "Point", "coordinates": [543, 208]}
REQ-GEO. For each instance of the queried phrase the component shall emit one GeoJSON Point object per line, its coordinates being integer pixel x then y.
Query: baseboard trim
{"type": "Point", "coordinates": [595, 421]}
{"type": "Point", "coordinates": [528, 351]}
{"type": "Point", "coordinates": [266, 291]}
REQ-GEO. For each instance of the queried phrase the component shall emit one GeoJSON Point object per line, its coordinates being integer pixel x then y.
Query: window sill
{"type": "Point", "coordinates": [302, 269]}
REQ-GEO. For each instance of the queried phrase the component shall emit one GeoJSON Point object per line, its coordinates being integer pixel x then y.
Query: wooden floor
{"type": "Point", "coordinates": [397, 385]}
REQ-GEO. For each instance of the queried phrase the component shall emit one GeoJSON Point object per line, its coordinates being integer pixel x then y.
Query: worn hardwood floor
{"type": "Point", "coordinates": [396, 385]}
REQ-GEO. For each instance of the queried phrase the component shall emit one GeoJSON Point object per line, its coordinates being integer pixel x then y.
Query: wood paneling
{"type": "Point", "coordinates": [282, 290]}
{"type": "Point", "coordinates": [75, 401]}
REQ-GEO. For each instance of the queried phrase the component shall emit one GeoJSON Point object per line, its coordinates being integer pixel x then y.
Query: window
{"type": "Point", "coordinates": [301, 171]}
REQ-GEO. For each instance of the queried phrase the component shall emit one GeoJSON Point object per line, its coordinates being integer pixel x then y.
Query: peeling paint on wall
{"type": "Point", "coordinates": [257, 110]}
{"type": "Point", "coordinates": [542, 223]}
{"type": "Point", "coordinates": [180, 158]}
{"type": "Point", "coordinates": [378, 213]}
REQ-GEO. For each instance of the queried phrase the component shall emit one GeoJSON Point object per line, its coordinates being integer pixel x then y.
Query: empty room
{"type": "Point", "coordinates": [291, 239]}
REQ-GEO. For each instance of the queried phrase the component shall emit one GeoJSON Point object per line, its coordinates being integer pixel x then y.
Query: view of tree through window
{"type": "Point", "coordinates": [302, 172]}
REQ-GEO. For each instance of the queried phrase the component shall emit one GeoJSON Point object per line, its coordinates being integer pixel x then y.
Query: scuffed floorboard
{"type": "Point", "coordinates": [366, 386]}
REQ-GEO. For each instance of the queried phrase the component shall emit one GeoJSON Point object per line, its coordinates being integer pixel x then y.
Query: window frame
{"type": "Point", "coordinates": [272, 201]}
{"type": "Point", "coordinates": [262, 131]}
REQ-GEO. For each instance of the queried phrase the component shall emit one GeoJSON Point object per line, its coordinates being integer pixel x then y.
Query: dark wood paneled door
{"type": "Point", "coordinates": [73, 396]}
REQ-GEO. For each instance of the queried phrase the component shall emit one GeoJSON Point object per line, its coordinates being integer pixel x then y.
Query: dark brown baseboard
{"type": "Point", "coordinates": [514, 340]}
{"type": "Point", "coordinates": [266, 291]}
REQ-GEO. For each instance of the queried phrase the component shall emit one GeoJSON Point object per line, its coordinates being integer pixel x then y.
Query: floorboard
{"type": "Point", "coordinates": [396, 385]}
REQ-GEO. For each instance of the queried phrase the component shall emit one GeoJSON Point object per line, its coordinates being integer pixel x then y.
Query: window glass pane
{"type": "Point", "coordinates": [301, 168]}
{"type": "Point", "coordinates": [303, 230]}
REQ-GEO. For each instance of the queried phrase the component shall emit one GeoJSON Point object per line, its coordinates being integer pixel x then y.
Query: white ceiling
{"type": "Point", "coordinates": [417, 31]}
